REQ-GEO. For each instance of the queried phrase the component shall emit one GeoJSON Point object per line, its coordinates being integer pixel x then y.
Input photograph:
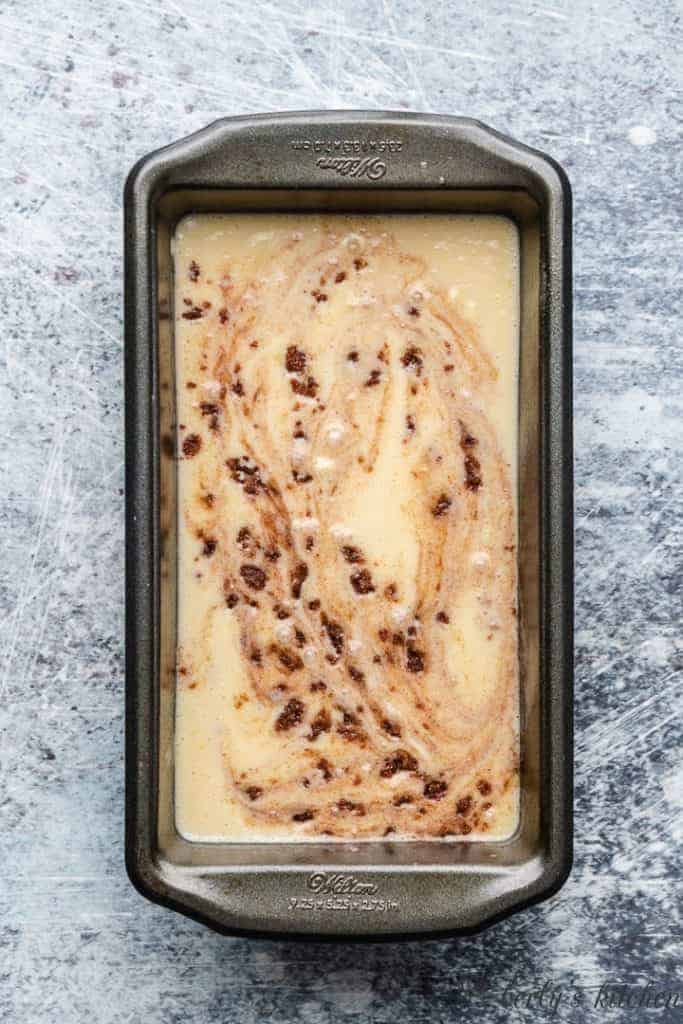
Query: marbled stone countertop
{"type": "Point", "coordinates": [87, 87]}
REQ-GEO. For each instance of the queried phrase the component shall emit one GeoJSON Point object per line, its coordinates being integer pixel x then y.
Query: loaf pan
{"type": "Point", "coordinates": [375, 163]}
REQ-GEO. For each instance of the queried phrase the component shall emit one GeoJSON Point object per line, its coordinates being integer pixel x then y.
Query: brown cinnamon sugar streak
{"type": "Point", "coordinates": [347, 633]}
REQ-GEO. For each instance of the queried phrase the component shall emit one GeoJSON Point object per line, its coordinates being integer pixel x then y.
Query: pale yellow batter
{"type": "Point", "coordinates": [347, 633]}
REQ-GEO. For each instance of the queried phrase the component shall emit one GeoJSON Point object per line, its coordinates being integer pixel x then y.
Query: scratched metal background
{"type": "Point", "coordinates": [86, 87]}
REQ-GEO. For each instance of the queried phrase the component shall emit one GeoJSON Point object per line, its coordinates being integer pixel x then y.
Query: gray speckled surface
{"type": "Point", "coordinates": [87, 87]}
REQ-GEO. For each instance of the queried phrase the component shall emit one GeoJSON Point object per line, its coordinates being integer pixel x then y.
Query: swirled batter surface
{"type": "Point", "coordinates": [347, 631]}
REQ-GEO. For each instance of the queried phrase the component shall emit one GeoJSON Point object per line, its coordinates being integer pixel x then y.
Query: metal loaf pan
{"type": "Point", "coordinates": [374, 162]}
